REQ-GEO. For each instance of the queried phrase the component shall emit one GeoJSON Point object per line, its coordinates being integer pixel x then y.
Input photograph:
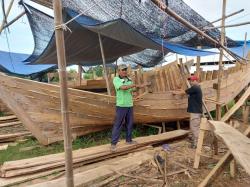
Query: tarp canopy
{"type": "Point", "coordinates": [126, 27]}
{"type": "Point", "coordinates": [239, 50]}
{"type": "Point", "coordinates": [12, 63]}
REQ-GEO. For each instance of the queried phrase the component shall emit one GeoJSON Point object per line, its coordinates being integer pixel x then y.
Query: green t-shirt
{"type": "Point", "coordinates": [124, 98]}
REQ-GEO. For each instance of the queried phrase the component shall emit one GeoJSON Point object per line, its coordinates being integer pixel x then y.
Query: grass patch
{"type": "Point", "coordinates": [223, 112]}
{"type": "Point", "coordinates": [2, 114]}
{"type": "Point", "coordinates": [93, 139]}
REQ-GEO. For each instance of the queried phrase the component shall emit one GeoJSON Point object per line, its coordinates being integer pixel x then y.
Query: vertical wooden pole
{"type": "Point", "coordinates": [245, 112]}
{"type": "Point", "coordinates": [245, 46]}
{"type": "Point", "coordinates": [79, 75]}
{"type": "Point", "coordinates": [7, 14]}
{"type": "Point", "coordinates": [198, 64]}
{"type": "Point", "coordinates": [48, 76]}
{"type": "Point", "coordinates": [104, 64]}
{"type": "Point", "coordinates": [218, 107]}
{"type": "Point", "coordinates": [60, 46]}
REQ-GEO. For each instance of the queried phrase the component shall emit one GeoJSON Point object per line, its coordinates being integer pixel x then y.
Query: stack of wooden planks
{"type": "Point", "coordinates": [93, 176]}
{"type": "Point", "coordinates": [27, 169]}
{"type": "Point", "coordinates": [11, 129]}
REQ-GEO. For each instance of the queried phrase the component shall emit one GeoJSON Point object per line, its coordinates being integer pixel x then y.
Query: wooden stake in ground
{"type": "Point", "coordinates": [218, 106]}
{"type": "Point", "coordinates": [60, 46]}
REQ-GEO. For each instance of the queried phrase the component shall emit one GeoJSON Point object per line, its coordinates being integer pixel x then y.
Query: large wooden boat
{"type": "Point", "coordinates": [37, 104]}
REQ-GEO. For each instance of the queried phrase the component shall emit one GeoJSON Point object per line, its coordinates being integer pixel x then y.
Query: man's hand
{"type": "Point", "coordinates": [179, 92]}
{"type": "Point", "coordinates": [143, 85]}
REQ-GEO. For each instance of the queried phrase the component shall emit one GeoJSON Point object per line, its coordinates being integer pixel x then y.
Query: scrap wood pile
{"type": "Point", "coordinates": [11, 129]}
{"type": "Point", "coordinates": [15, 172]}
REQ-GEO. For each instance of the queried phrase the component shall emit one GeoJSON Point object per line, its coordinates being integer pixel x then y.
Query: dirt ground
{"type": "Point", "coordinates": [181, 157]}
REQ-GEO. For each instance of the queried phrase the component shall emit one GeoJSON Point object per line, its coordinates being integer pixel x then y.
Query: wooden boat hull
{"type": "Point", "coordinates": [37, 104]}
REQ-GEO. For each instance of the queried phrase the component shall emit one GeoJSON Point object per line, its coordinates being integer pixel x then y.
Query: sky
{"type": "Point", "coordinates": [19, 37]}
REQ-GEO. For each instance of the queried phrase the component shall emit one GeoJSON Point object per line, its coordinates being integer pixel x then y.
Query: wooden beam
{"type": "Point", "coordinates": [60, 46]}
{"type": "Point", "coordinates": [218, 94]}
{"type": "Point", "coordinates": [5, 17]}
{"type": "Point", "coordinates": [104, 64]}
{"type": "Point", "coordinates": [237, 105]}
{"type": "Point", "coordinates": [239, 145]}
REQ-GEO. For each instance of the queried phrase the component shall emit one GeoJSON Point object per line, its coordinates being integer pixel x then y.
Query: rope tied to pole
{"type": "Point", "coordinates": [63, 27]}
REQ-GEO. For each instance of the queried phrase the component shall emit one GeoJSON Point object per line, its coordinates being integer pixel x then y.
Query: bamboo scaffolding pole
{"type": "Point", "coordinates": [104, 64]}
{"type": "Point", "coordinates": [5, 17]}
{"type": "Point", "coordinates": [14, 20]}
{"type": "Point", "coordinates": [60, 46]}
{"type": "Point", "coordinates": [198, 31]}
{"type": "Point", "coordinates": [227, 26]}
{"type": "Point", "coordinates": [198, 64]}
{"type": "Point", "coordinates": [229, 15]}
{"type": "Point", "coordinates": [218, 107]}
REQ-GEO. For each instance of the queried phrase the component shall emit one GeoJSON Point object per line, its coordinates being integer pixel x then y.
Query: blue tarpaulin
{"type": "Point", "coordinates": [12, 63]}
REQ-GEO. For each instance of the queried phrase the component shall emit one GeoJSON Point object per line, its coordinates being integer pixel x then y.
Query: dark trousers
{"type": "Point", "coordinates": [124, 115]}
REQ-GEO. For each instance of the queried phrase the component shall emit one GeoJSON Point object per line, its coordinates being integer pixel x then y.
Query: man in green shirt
{"type": "Point", "coordinates": [124, 106]}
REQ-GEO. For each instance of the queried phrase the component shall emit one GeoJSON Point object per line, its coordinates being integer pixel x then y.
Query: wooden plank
{"type": "Point", "coordinates": [239, 145]}
{"type": "Point", "coordinates": [220, 166]}
{"type": "Point", "coordinates": [10, 124]}
{"type": "Point", "coordinates": [215, 74]}
{"type": "Point", "coordinates": [216, 170]}
{"type": "Point", "coordinates": [237, 105]}
{"type": "Point", "coordinates": [6, 118]}
{"type": "Point", "coordinates": [200, 143]}
{"type": "Point", "coordinates": [209, 75]}
{"type": "Point", "coordinates": [203, 76]}
{"type": "Point", "coordinates": [89, 177]}
{"type": "Point", "coordinates": [163, 79]}
{"type": "Point", "coordinates": [27, 166]}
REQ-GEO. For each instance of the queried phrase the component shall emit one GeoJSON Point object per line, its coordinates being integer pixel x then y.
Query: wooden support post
{"type": "Point", "coordinates": [7, 14]}
{"type": "Point", "coordinates": [204, 126]}
{"type": "Point", "coordinates": [60, 45]}
{"type": "Point", "coordinates": [163, 126]}
{"type": "Point", "coordinates": [245, 46]}
{"type": "Point", "coordinates": [14, 20]}
{"type": "Point", "coordinates": [198, 64]}
{"type": "Point", "coordinates": [220, 165]}
{"type": "Point", "coordinates": [104, 64]}
{"type": "Point", "coordinates": [245, 114]}
{"type": "Point", "coordinates": [178, 124]}
{"type": "Point", "coordinates": [79, 75]}
{"type": "Point", "coordinates": [218, 107]}
{"type": "Point", "coordinates": [232, 168]}
{"type": "Point", "coordinates": [48, 77]}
